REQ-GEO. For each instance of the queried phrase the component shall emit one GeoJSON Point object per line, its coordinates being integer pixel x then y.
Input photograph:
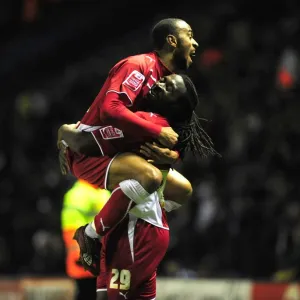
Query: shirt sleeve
{"type": "Point", "coordinates": [127, 78]}
{"type": "Point", "coordinates": [115, 113]}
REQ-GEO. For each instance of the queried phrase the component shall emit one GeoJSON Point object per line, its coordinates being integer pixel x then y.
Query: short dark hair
{"type": "Point", "coordinates": [161, 30]}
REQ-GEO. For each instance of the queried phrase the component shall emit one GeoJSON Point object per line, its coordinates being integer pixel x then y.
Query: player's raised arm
{"type": "Point", "coordinates": [126, 82]}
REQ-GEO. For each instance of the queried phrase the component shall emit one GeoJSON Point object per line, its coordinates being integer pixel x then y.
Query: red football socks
{"type": "Point", "coordinates": [113, 212]}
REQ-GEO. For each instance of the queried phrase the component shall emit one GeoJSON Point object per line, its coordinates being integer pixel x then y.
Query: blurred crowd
{"type": "Point", "coordinates": [244, 217]}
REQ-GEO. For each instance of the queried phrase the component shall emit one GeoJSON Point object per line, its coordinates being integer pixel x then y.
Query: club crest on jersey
{"type": "Point", "coordinates": [134, 80]}
{"type": "Point", "coordinates": [110, 132]}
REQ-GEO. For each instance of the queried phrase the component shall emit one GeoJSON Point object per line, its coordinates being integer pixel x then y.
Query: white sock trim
{"type": "Point", "coordinates": [133, 190]}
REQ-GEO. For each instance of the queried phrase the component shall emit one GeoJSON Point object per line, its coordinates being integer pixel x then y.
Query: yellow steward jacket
{"type": "Point", "coordinates": [81, 203]}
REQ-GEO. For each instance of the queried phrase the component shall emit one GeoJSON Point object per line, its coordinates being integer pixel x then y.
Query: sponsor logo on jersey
{"type": "Point", "coordinates": [134, 80]}
{"type": "Point", "coordinates": [110, 132]}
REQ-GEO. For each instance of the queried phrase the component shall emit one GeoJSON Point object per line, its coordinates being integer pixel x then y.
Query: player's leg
{"type": "Point", "coordinates": [131, 174]}
{"type": "Point", "coordinates": [127, 174]}
{"type": "Point", "coordinates": [147, 178]}
{"type": "Point", "coordinates": [135, 182]}
{"type": "Point", "coordinates": [131, 166]}
{"type": "Point", "coordinates": [177, 188]}
{"type": "Point", "coordinates": [124, 173]}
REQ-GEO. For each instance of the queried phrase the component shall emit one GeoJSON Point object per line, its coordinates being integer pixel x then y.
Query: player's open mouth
{"type": "Point", "coordinates": [151, 91]}
{"type": "Point", "coordinates": [154, 91]}
{"type": "Point", "coordinates": [192, 55]}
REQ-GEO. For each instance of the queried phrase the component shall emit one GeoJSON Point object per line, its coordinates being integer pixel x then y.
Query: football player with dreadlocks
{"type": "Point", "coordinates": [180, 114]}
{"type": "Point", "coordinates": [128, 264]}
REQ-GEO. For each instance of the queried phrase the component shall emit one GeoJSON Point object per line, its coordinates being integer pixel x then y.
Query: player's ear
{"type": "Point", "coordinates": [171, 40]}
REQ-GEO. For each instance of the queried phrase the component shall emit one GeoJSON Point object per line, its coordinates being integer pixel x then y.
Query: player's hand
{"type": "Point", "coordinates": [62, 129]}
{"type": "Point", "coordinates": [158, 155]}
{"type": "Point", "coordinates": [168, 137]}
{"type": "Point", "coordinates": [62, 157]}
{"type": "Point", "coordinates": [62, 147]}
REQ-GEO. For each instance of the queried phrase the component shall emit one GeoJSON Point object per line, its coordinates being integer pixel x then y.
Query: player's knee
{"type": "Point", "coordinates": [183, 193]}
{"type": "Point", "coordinates": [151, 179]}
{"type": "Point", "coordinates": [187, 190]}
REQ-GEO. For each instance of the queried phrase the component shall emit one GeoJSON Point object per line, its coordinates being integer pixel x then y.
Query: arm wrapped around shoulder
{"type": "Point", "coordinates": [114, 112]}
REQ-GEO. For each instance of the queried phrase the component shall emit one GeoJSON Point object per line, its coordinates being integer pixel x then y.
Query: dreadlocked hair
{"type": "Point", "coordinates": [191, 135]}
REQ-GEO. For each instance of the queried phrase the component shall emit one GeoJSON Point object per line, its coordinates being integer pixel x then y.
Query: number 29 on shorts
{"type": "Point", "coordinates": [124, 276]}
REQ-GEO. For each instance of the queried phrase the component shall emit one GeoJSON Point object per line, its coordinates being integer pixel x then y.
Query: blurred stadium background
{"type": "Point", "coordinates": [239, 236]}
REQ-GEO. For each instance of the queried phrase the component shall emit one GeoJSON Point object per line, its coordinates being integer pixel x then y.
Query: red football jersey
{"type": "Point", "coordinates": [127, 84]}
{"type": "Point", "coordinates": [112, 140]}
